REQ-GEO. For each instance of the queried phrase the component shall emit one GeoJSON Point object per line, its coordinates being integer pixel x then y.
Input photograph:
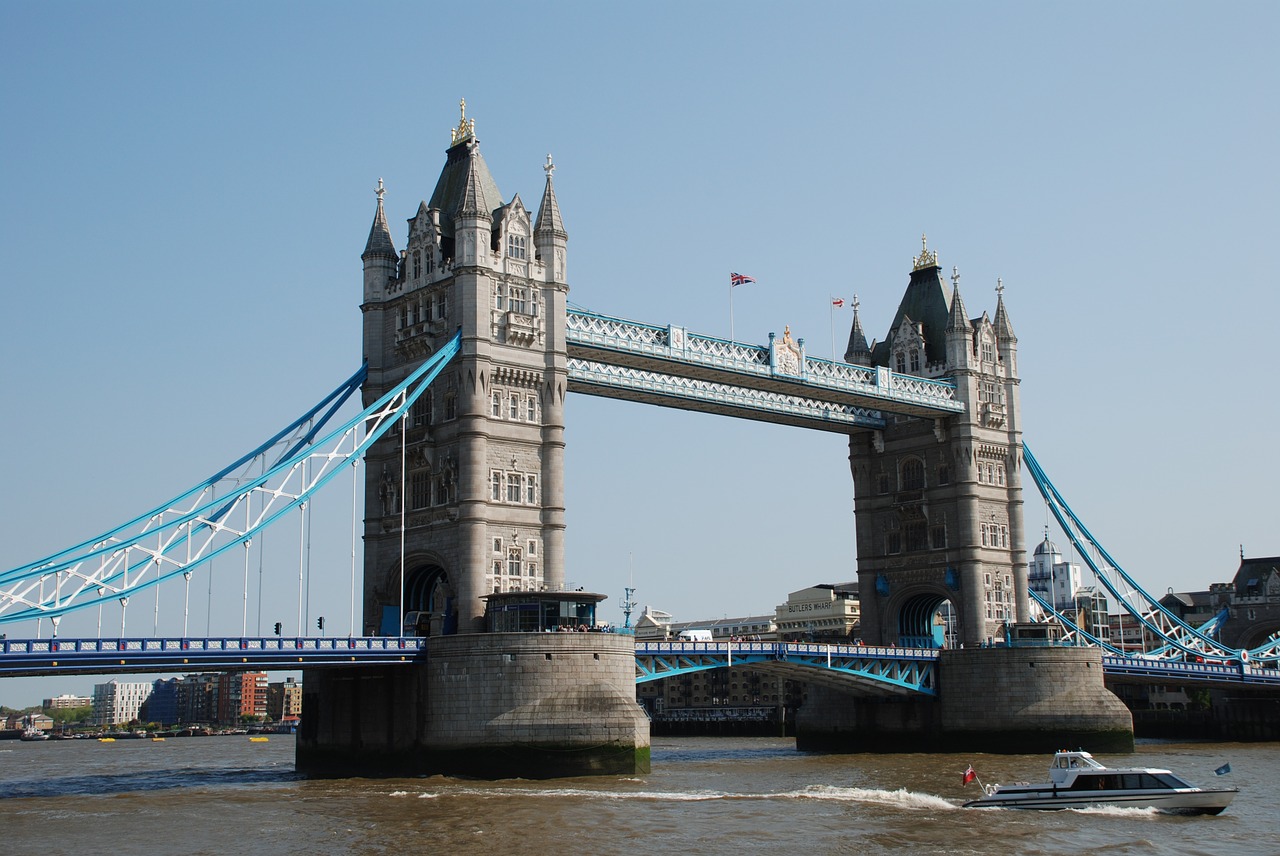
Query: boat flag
{"type": "Point", "coordinates": [969, 775]}
{"type": "Point", "coordinates": [739, 279]}
{"type": "Point", "coordinates": [1223, 770]}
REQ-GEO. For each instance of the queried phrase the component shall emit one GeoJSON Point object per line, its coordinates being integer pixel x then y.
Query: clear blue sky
{"type": "Point", "coordinates": [187, 188]}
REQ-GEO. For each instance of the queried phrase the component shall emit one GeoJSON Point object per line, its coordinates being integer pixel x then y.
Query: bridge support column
{"type": "Point", "coordinates": [1001, 700]}
{"type": "Point", "coordinates": [496, 705]}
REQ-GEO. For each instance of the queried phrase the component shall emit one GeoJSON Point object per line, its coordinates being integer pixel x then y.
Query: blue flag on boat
{"type": "Point", "coordinates": [1223, 770]}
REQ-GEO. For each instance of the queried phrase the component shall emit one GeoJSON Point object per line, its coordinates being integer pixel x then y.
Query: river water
{"type": "Point", "coordinates": [215, 795]}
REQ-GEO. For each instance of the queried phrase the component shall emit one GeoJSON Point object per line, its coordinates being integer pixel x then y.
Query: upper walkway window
{"type": "Point", "coordinates": [912, 474]}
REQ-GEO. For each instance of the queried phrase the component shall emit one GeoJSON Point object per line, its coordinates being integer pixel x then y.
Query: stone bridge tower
{"type": "Point", "coordinates": [938, 502]}
{"type": "Point", "coordinates": [475, 473]}
{"type": "Point", "coordinates": [938, 506]}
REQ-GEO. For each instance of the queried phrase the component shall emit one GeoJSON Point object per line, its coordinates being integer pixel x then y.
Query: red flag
{"type": "Point", "coordinates": [837, 302]}
{"type": "Point", "coordinates": [969, 775]}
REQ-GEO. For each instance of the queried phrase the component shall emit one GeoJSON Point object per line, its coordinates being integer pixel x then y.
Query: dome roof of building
{"type": "Point", "coordinates": [1047, 546]}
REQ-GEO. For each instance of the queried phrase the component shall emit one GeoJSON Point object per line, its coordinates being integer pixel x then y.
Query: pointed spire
{"type": "Point", "coordinates": [549, 210]}
{"type": "Point", "coordinates": [1003, 328]}
{"type": "Point", "coordinates": [379, 243]}
{"type": "Point", "coordinates": [857, 351]}
{"type": "Point", "coordinates": [474, 203]}
{"type": "Point", "coordinates": [959, 320]}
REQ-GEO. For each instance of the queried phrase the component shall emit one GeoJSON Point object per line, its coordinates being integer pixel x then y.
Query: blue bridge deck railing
{"type": "Point", "coordinates": [177, 654]}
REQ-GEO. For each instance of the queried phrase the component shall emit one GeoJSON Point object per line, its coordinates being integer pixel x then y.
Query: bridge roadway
{"type": "Point", "coordinates": [869, 668]}
{"type": "Point", "coordinates": [34, 657]}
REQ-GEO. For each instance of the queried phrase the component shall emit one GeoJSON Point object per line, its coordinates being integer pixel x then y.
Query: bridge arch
{"type": "Point", "coordinates": [917, 616]}
{"type": "Point", "coordinates": [430, 599]}
{"type": "Point", "coordinates": [1259, 633]}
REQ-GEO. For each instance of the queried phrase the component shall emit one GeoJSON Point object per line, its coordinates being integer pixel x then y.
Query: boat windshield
{"type": "Point", "coordinates": [1076, 760]}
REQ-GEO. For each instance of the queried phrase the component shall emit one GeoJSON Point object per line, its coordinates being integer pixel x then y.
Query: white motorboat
{"type": "Point", "coordinates": [1076, 780]}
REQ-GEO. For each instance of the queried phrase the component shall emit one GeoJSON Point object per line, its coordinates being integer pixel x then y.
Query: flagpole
{"type": "Point", "coordinates": [831, 323]}
{"type": "Point", "coordinates": [730, 308]}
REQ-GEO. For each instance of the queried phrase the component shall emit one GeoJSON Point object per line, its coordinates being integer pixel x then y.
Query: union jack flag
{"type": "Point", "coordinates": [739, 279]}
{"type": "Point", "coordinates": [837, 302]}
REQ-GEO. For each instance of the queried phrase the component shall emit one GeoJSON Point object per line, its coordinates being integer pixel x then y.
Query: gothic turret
{"type": "Point", "coordinates": [549, 236]}
{"type": "Point", "coordinates": [1007, 342]}
{"type": "Point", "coordinates": [959, 330]}
{"type": "Point", "coordinates": [857, 352]}
{"type": "Point", "coordinates": [379, 254]}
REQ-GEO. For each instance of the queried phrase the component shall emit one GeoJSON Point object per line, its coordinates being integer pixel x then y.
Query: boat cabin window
{"type": "Point", "coordinates": [1127, 782]}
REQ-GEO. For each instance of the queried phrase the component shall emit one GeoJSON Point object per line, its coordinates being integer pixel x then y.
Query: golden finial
{"type": "Point", "coordinates": [928, 258]}
{"type": "Point", "coordinates": [465, 128]}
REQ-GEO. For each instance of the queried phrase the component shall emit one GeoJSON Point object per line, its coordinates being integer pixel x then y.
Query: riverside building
{"type": "Point", "coordinates": [116, 703]}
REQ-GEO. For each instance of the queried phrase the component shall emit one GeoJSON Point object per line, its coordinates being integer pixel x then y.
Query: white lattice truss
{"type": "Point", "coordinates": [1164, 635]}
{"type": "Point", "coordinates": [615, 341]}
{"type": "Point", "coordinates": [211, 519]}
{"type": "Point", "coordinates": [658, 388]}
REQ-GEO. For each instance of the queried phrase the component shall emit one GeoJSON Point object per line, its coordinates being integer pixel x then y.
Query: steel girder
{"type": "Point", "coordinates": [669, 390]}
{"type": "Point", "coordinates": [1174, 638]}
{"type": "Point", "coordinates": [884, 670]}
{"type": "Point", "coordinates": [30, 657]}
{"type": "Point", "coordinates": [199, 525]}
{"type": "Point", "coordinates": [652, 352]}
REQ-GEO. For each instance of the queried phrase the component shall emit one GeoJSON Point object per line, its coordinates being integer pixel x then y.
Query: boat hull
{"type": "Point", "coordinates": [1199, 801]}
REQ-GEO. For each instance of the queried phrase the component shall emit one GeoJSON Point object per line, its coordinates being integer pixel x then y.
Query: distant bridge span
{"type": "Point", "coordinates": [871, 669]}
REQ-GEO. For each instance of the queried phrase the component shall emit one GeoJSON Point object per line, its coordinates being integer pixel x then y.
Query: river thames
{"type": "Point", "coordinates": [215, 795]}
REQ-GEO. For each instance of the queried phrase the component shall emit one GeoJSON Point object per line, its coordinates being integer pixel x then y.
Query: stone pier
{"type": "Point", "coordinates": [1001, 700]}
{"type": "Point", "coordinates": [493, 705]}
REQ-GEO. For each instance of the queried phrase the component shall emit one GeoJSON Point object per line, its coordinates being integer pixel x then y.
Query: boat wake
{"type": "Point", "coordinates": [901, 798]}
{"type": "Point", "coordinates": [1117, 811]}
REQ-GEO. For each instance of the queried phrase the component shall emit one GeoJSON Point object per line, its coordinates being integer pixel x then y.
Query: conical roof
{"type": "Point", "coordinates": [1003, 328]}
{"type": "Point", "coordinates": [379, 243]}
{"type": "Point", "coordinates": [857, 351]}
{"type": "Point", "coordinates": [549, 210]}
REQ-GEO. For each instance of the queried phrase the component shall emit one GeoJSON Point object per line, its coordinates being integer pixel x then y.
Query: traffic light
{"type": "Point", "coordinates": [277, 628]}
{"type": "Point", "coordinates": [320, 623]}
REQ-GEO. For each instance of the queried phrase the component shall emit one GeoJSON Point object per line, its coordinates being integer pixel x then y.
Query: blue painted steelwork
{"type": "Point", "coordinates": [671, 366]}
{"type": "Point", "coordinates": [1162, 671]}
{"type": "Point", "coordinates": [32, 657]}
{"type": "Point", "coordinates": [747, 402]}
{"type": "Point", "coordinates": [1176, 638]}
{"type": "Point", "coordinates": [877, 669]}
{"type": "Point", "coordinates": [198, 526]}
{"type": "Point", "coordinates": [884, 670]}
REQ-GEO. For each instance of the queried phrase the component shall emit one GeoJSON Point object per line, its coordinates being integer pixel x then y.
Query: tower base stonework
{"type": "Point", "coordinates": [494, 705]}
{"type": "Point", "coordinates": [999, 700]}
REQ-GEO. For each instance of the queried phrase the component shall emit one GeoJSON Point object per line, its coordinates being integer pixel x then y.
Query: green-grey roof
{"type": "Point", "coordinates": [928, 302]}
{"type": "Point", "coordinates": [451, 189]}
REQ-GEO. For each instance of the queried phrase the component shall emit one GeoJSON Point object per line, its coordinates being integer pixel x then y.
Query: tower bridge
{"type": "Point", "coordinates": [470, 349]}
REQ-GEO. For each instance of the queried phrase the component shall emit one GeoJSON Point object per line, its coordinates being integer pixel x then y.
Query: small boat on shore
{"type": "Point", "coordinates": [1076, 780]}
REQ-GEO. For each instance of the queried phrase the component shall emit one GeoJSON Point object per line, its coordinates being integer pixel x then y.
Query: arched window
{"type": "Point", "coordinates": [902, 363]}
{"type": "Point", "coordinates": [912, 474]}
{"type": "Point", "coordinates": [915, 360]}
